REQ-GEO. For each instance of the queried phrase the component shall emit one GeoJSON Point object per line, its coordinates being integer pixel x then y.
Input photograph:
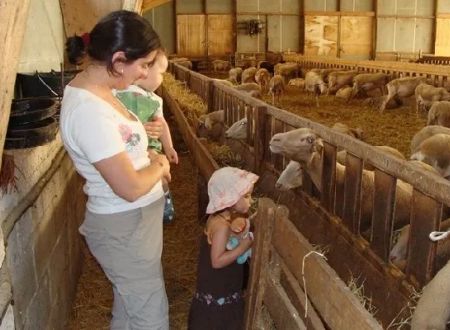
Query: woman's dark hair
{"type": "Point", "coordinates": [121, 30]}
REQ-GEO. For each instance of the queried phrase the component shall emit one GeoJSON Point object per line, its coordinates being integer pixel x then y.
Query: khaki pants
{"type": "Point", "coordinates": [128, 246]}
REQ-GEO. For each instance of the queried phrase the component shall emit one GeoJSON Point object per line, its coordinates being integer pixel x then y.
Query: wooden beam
{"type": "Point", "coordinates": [13, 18]}
{"type": "Point", "coordinates": [133, 5]}
{"type": "Point", "coordinates": [150, 4]}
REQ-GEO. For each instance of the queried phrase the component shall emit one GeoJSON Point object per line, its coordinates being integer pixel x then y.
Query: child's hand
{"type": "Point", "coordinates": [154, 128]}
{"type": "Point", "coordinates": [172, 155]}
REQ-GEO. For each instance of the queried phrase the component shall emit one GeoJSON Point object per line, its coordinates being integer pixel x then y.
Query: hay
{"type": "Point", "coordinates": [393, 127]}
{"type": "Point", "coordinates": [8, 178]}
{"type": "Point", "coordinates": [356, 286]}
{"type": "Point", "coordinates": [403, 318]}
{"type": "Point", "coordinates": [190, 103]}
{"type": "Point", "coordinates": [222, 154]}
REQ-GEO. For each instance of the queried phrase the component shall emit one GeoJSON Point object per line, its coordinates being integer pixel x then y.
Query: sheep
{"type": "Point", "coordinates": [339, 79]}
{"type": "Point", "coordinates": [341, 155]}
{"type": "Point", "coordinates": [315, 84]}
{"type": "Point", "coordinates": [344, 129]}
{"type": "Point", "coordinates": [435, 151]}
{"type": "Point", "coordinates": [276, 87]}
{"type": "Point", "coordinates": [238, 130]}
{"type": "Point", "coordinates": [183, 61]}
{"type": "Point", "coordinates": [297, 82]}
{"type": "Point", "coordinates": [399, 252]}
{"type": "Point", "coordinates": [211, 125]}
{"type": "Point", "coordinates": [433, 308]}
{"type": "Point", "coordinates": [303, 146]}
{"type": "Point", "coordinates": [425, 133]}
{"type": "Point", "coordinates": [220, 65]}
{"type": "Point", "coordinates": [427, 94]}
{"type": "Point", "coordinates": [291, 177]}
{"type": "Point", "coordinates": [248, 75]}
{"type": "Point", "coordinates": [369, 81]}
{"type": "Point", "coordinates": [234, 75]}
{"type": "Point", "coordinates": [262, 78]}
{"type": "Point", "coordinates": [287, 70]}
{"type": "Point", "coordinates": [266, 65]}
{"type": "Point", "coordinates": [401, 87]}
{"type": "Point", "coordinates": [439, 114]}
{"type": "Point", "coordinates": [252, 89]}
{"type": "Point", "coordinates": [224, 81]}
{"type": "Point", "coordinates": [344, 93]}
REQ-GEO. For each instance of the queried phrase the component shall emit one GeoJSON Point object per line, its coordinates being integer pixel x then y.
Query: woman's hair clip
{"type": "Point", "coordinates": [86, 39]}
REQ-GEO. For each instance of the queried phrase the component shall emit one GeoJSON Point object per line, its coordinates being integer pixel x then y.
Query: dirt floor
{"type": "Point", "coordinates": [92, 307]}
{"type": "Point", "coordinates": [394, 127]}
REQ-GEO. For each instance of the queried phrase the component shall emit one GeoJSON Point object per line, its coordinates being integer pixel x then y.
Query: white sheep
{"type": "Point", "coordinates": [297, 82]}
{"type": "Point", "coordinates": [344, 93]}
{"type": "Point", "coordinates": [220, 65]}
{"type": "Point", "coordinates": [276, 87]}
{"type": "Point", "coordinates": [369, 81]}
{"type": "Point", "coordinates": [234, 75]}
{"type": "Point", "coordinates": [262, 78]}
{"type": "Point", "coordinates": [248, 75]}
{"type": "Point", "coordinates": [435, 151]}
{"type": "Point", "coordinates": [439, 114]}
{"type": "Point", "coordinates": [433, 308]}
{"type": "Point", "coordinates": [238, 130]}
{"type": "Point", "coordinates": [303, 146]}
{"type": "Point", "coordinates": [291, 177]}
{"type": "Point", "coordinates": [211, 125]}
{"type": "Point", "coordinates": [252, 89]}
{"type": "Point", "coordinates": [425, 133]}
{"type": "Point", "coordinates": [427, 94]}
{"type": "Point", "coordinates": [401, 87]}
{"type": "Point", "coordinates": [357, 133]}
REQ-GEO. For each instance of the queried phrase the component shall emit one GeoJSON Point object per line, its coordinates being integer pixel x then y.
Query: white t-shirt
{"type": "Point", "coordinates": [91, 131]}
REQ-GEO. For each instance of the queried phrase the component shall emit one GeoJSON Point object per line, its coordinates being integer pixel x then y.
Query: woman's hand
{"type": "Point", "coordinates": [172, 155]}
{"type": "Point", "coordinates": [154, 128]}
{"type": "Point", "coordinates": [164, 163]}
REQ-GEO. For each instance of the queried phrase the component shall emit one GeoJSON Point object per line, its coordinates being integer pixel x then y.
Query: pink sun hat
{"type": "Point", "coordinates": [226, 186]}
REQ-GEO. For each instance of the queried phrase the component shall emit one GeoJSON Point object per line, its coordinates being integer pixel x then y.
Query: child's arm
{"type": "Point", "coordinates": [220, 256]}
{"type": "Point", "coordinates": [166, 140]}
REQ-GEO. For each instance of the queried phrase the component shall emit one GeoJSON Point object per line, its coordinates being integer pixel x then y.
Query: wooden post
{"type": "Point", "coordinates": [13, 18]}
{"type": "Point", "coordinates": [259, 139]}
{"type": "Point", "coordinates": [259, 266]}
{"type": "Point", "coordinates": [383, 213]}
{"type": "Point", "coordinates": [210, 99]}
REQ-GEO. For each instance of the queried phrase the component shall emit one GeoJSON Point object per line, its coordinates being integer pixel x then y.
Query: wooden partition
{"type": "Point", "coordinates": [333, 217]}
{"type": "Point", "coordinates": [291, 284]}
{"type": "Point", "coordinates": [437, 73]}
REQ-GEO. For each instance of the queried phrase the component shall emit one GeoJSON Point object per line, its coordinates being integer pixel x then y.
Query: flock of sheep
{"type": "Point", "coordinates": [430, 147]}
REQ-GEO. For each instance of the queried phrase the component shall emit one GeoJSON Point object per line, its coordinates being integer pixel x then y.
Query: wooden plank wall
{"type": "Point", "coordinates": [80, 16]}
{"type": "Point", "coordinates": [13, 18]}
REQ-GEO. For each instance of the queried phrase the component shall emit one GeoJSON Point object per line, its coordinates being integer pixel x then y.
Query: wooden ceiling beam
{"type": "Point", "coordinates": [133, 5]}
{"type": "Point", "coordinates": [150, 4]}
{"type": "Point", "coordinates": [13, 21]}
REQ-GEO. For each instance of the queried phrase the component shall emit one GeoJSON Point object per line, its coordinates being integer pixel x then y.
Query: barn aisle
{"type": "Point", "coordinates": [92, 306]}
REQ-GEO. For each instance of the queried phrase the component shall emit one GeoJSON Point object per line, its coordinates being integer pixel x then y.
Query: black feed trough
{"type": "Point", "coordinates": [30, 110]}
{"type": "Point", "coordinates": [31, 134]}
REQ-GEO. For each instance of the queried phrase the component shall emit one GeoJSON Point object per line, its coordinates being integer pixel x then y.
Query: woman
{"type": "Point", "coordinates": [108, 145]}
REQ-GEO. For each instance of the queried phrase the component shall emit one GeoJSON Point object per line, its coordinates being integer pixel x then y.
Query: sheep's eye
{"type": "Point", "coordinates": [310, 139]}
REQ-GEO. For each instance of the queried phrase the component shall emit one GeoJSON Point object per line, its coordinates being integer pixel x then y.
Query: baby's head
{"type": "Point", "coordinates": [155, 73]}
{"type": "Point", "coordinates": [230, 187]}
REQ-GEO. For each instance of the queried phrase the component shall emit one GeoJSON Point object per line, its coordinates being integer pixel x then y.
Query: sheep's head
{"type": "Point", "coordinates": [298, 144]}
{"type": "Point", "coordinates": [238, 130]}
{"type": "Point", "coordinates": [291, 177]}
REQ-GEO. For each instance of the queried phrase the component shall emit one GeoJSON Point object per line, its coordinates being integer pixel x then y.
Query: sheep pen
{"type": "Point", "coordinates": [394, 127]}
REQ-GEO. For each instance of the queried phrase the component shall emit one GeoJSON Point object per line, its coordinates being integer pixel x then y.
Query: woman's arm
{"type": "Point", "coordinates": [128, 183]}
{"type": "Point", "coordinates": [166, 140]}
{"type": "Point", "coordinates": [220, 256]}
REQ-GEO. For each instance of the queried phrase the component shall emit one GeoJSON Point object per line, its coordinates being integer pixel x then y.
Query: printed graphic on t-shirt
{"type": "Point", "coordinates": [128, 137]}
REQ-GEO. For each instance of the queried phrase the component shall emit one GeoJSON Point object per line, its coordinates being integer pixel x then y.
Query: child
{"type": "Point", "coordinates": [218, 301]}
{"type": "Point", "coordinates": [142, 101]}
